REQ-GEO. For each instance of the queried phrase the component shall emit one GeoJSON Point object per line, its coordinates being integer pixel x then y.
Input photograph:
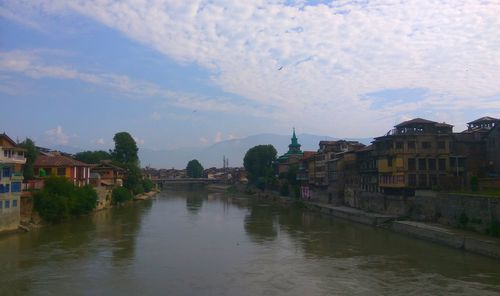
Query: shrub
{"type": "Point", "coordinates": [148, 185]}
{"type": "Point", "coordinates": [474, 184]}
{"type": "Point", "coordinates": [60, 199]}
{"type": "Point", "coordinates": [120, 195]}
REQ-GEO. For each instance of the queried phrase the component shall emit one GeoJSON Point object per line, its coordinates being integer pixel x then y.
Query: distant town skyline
{"type": "Point", "coordinates": [194, 73]}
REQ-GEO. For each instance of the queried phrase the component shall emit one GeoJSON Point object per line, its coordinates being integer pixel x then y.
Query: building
{"type": "Point", "coordinates": [11, 161]}
{"type": "Point", "coordinates": [416, 155]}
{"type": "Point", "coordinates": [108, 174]}
{"type": "Point", "coordinates": [56, 164]}
{"type": "Point", "coordinates": [290, 158]}
{"type": "Point", "coordinates": [493, 150]}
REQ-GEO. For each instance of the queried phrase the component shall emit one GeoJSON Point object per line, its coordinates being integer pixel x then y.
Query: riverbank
{"type": "Point", "coordinates": [444, 235]}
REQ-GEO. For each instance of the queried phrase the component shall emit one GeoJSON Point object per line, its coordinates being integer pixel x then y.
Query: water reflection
{"type": "Point", "coordinates": [261, 223]}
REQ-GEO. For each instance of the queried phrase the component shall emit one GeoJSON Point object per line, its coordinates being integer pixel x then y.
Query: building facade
{"type": "Point", "coordinates": [11, 161]}
{"type": "Point", "coordinates": [291, 158]}
{"type": "Point", "coordinates": [416, 155]}
{"type": "Point", "coordinates": [56, 164]}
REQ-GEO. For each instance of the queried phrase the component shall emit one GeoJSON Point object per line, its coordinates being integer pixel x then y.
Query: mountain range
{"type": "Point", "coordinates": [234, 150]}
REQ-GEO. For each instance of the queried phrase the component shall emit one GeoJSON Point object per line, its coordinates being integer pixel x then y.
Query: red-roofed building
{"type": "Point", "coordinates": [55, 164]}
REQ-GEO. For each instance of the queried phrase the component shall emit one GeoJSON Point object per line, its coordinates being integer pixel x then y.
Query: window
{"type": "Point", "coordinates": [48, 171]}
{"type": "Point", "coordinates": [1, 204]}
{"type": "Point", "coordinates": [61, 171]}
{"type": "Point", "coordinates": [412, 164]}
{"type": "Point", "coordinates": [432, 180]}
{"type": "Point", "coordinates": [7, 204]}
{"type": "Point", "coordinates": [422, 180]}
{"type": "Point", "coordinates": [426, 145]}
{"type": "Point", "coordinates": [422, 164]}
{"type": "Point", "coordinates": [442, 164]}
{"type": "Point", "coordinates": [389, 161]}
{"type": "Point", "coordinates": [16, 187]}
{"type": "Point", "coordinates": [432, 164]}
{"type": "Point", "coordinates": [441, 145]}
{"type": "Point", "coordinates": [412, 180]}
{"type": "Point", "coordinates": [6, 172]}
{"type": "Point", "coordinates": [7, 188]}
{"type": "Point", "coordinates": [14, 203]}
{"type": "Point", "coordinates": [411, 144]}
{"type": "Point", "coordinates": [399, 145]}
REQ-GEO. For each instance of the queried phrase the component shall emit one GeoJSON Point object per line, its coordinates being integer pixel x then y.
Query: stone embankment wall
{"type": "Point", "coordinates": [473, 212]}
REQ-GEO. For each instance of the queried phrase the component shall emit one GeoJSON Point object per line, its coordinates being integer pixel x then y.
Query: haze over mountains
{"type": "Point", "coordinates": [234, 150]}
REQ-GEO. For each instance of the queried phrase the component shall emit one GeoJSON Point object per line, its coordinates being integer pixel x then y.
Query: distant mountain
{"type": "Point", "coordinates": [234, 150]}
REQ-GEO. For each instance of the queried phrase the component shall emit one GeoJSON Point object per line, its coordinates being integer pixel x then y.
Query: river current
{"type": "Point", "coordinates": [200, 243]}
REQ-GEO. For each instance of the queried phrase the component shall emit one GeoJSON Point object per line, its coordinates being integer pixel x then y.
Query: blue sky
{"type": "Point", "coordinates": [192, 73]}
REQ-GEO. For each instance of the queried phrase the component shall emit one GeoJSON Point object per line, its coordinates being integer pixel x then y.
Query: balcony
{"type": "Point", "coordinates": [16, 159]}
{"type": "Point", "coordinates": [17, 176]}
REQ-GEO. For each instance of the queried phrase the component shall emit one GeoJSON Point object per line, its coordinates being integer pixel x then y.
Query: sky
{"type": "Point", "coordinates": [181, 73]}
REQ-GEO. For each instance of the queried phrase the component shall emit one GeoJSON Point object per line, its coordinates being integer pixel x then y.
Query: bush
{"type": "Point", "coordinates": [148, 185]}
{"type": "Point", "coordinates": [60, 199]}
{"type": "Point", "coordinates": [120, 195]}
{"type": "Point", "coordinates": [474, 184]}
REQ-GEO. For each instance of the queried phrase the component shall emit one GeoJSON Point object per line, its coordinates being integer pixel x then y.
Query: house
{"type": "Point", "coordinates": [107, 174]}
{"type": "Point", "coordinates": [56, 164]}
{"type": "Point", "coordinates": [11, 161]}
{"type": "Point", "coordinates": [416, 154]}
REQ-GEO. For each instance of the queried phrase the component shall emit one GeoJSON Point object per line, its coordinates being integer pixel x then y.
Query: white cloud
{"type": "Point", "coordinates": [204, 140]}
{"type": "Point", "coordinates": [56, 136]}
{"type": "Point", "coordinates": [138, 141]}
{"type": "Point", "coordinates": [100, 141]}
{"type": "Point", "coordinates": [312, 64]}
{"type": "Point", "coordinates": [218, 137]}
{"type": "Point", "coordinates": [156, 116]}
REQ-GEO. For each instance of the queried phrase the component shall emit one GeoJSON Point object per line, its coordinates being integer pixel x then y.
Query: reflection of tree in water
{"type": "Point", "coordinates": [260, 223]}
{"type": "Point", "coordinates": [194, 201]}
{"type": "Point", "coordinates": [124, 225]}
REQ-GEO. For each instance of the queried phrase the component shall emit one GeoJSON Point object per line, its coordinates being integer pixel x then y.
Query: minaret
{"type": "Point", "coordinates": [294, 147]}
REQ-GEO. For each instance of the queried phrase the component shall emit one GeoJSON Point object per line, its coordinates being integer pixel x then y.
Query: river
{"type": "Point", "coordinates": [199, 243]}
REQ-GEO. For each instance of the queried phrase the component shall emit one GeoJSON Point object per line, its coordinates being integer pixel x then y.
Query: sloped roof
{"type": "Point", "coordinates": [415, 121]}
{"type": "Point", "coordinates": [55, 160]}
{"type": "Point", "coordinates": [484, 119]}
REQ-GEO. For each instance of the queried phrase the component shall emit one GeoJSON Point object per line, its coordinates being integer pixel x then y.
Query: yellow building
{"type": "Point", "coordinates": [415, 155]}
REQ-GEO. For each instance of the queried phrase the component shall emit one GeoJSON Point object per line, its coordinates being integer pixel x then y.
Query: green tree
{"type": "Point", "coordinates": [194, 169]}
{"type": "Point", "coordinates": [125, 154]}
{"type": "Point", "coordinates": [120, 195]}
{"type": "Point", "coordinates": [125, 151]}
{"type": "Point", "coordinates": [258, 163]}
{"type": "Point", "coordinates": [147, 184]}
{"type": "Point", "coordinates": [31, 154]}
{"type": "Point", "coordinates": [60, 199]}
{"type": "Point", "coordinates": [92, 156]}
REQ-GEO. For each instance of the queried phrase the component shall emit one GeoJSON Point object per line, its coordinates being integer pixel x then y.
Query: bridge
{"type": "Point", "coordinates": [185, 181]}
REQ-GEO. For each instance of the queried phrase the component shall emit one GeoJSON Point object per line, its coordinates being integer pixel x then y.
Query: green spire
{"type": "Point", "coordinates": [294, 146]}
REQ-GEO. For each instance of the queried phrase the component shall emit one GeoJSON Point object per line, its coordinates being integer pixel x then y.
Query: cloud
{"type": "Point", "coordinates": [156, 116]}
{"type": "Point", "coordinates": [100, 141]}
{"type": "Point", "coordinates": [312, 65]}
{"type": "Point", "coordinates": [138, 141]}
{"type": "Point", "coordinates": [56, 136]}
{"type": "Point", "coordinates": [218, 137]}
{"type": "Point", "coordinates": [204, 140]}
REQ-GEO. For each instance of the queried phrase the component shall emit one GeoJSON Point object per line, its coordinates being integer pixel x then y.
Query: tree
{"type": "Point", "coordinates": [30, 153]}
{"type": "Point", "coordinates": [60, 199]}
{"type": "Point", "coordinates": [125, 154]}
{"type": "Point", "coordinates": [258, 163]}
{"type": "Point", "coordinates": [92, 156]}
{"type": "Point", "coordinates": [194, 169]}
{"type": "Point", "coordinates": [125, 151]}
{"type": "Point", "coordinates": [120, 195]}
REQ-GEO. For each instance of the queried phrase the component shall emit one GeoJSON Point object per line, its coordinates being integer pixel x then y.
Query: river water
{"type": "Point", "coordinates": [199, 243]}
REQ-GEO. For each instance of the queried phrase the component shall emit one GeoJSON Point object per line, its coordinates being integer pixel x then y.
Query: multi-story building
{"type": "Point", "coordinates": [56, 164]}
{"type": "Point", "coordinates": [367, 169]}
{"type": "Point", "coordinates": [416, 155]}
{"type": "Point", "coordinates": [11, 161]}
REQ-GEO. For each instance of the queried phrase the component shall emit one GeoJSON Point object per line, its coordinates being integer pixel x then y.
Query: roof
{"type": "Point", "coordinates": [415, 121]}
{"type": "Point", "coordinates": [366, 148]}
{"type": "Point", "coordinates": [443, 124]}
{"type": "Point", "coordinates": [8, 139]}
{"type": "Point", "coordinates": [55, 160]}
{"type": "Point", "coordinates": [484, 119]}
